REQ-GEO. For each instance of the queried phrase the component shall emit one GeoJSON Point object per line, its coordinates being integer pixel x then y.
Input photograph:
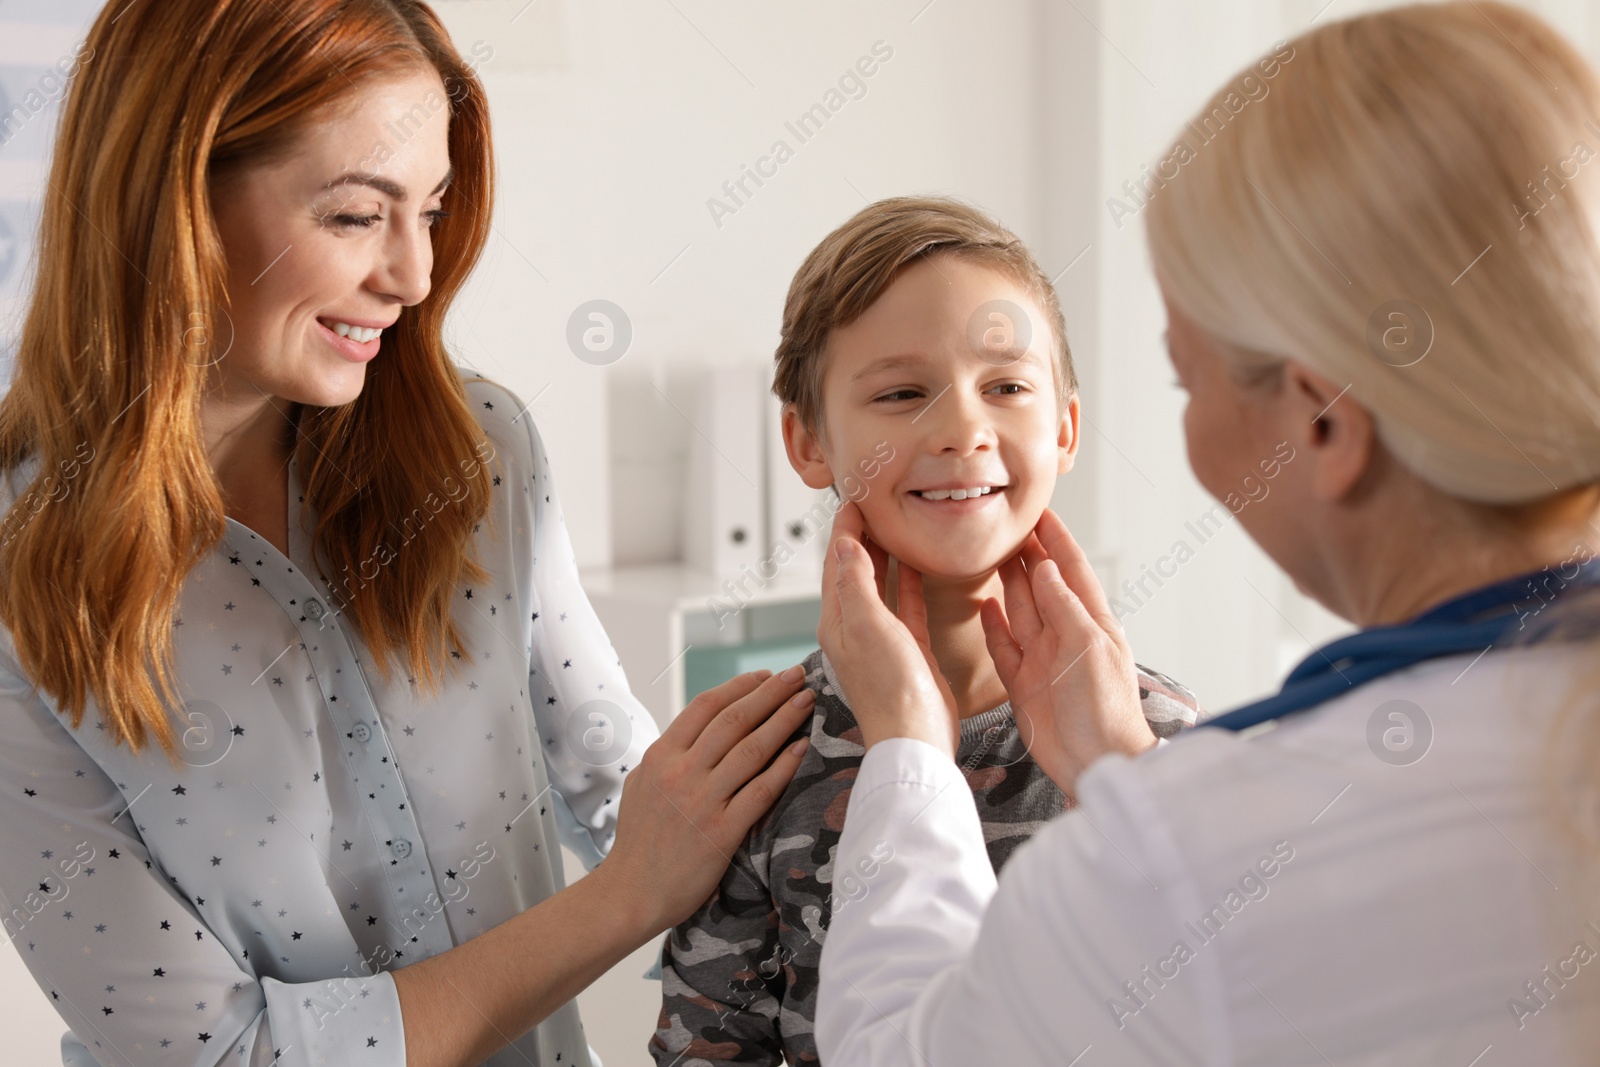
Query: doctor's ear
{"type": "Point", "coordinates": [1334, 431]}
{"type": "Point", "coordinates": [804, 447]}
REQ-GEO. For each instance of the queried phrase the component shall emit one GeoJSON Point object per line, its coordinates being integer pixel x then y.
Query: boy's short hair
{"type": "Point", "coordinates": [846, 274]}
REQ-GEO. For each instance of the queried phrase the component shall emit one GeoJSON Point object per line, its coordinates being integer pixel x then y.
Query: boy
{"type": "Point", "coordinates": [923, 344]}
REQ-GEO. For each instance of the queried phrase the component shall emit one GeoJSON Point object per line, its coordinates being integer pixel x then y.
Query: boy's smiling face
{"type": "Point", "coordinates": [957, 417]}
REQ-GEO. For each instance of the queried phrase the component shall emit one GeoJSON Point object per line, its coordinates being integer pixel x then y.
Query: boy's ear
{"type": "Point", "coordinates": [1067, 435]}
{"type": "Point", "coordinates": [805, 451]}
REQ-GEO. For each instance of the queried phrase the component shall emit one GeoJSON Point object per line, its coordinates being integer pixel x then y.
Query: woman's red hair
{"type": "Point", "coordinates": [130, 277]}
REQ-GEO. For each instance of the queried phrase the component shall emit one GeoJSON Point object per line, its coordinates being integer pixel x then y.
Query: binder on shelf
{"type": "Point", "coordinates": [798, 517]}
{"type": "Point", "coordinates": [723, 510]}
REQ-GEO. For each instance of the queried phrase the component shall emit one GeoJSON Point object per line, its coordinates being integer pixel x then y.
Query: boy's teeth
{"type": "Point", "coordinates": [955, 494]}
{"type": "Point", "coordinates": [355, 333]}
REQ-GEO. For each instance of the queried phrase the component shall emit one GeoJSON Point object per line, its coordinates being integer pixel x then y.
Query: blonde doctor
{"type": "Point", "coordinates": [1392, 264]}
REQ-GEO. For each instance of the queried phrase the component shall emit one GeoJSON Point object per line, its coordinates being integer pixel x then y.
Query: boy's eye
{"type": "Point", "coordinates": [1011, 388]}
{"type": "Point", "coordinates": [900, 394]}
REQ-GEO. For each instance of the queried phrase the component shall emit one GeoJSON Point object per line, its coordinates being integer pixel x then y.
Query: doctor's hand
{"type": "Point", "coordinates": [1063, 657]}
{"type": "Point", "coordinates": [882, 658]}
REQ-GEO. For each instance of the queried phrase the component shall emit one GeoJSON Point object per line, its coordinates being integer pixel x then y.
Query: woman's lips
{"type": "Point", "coordinates": [354, 351]}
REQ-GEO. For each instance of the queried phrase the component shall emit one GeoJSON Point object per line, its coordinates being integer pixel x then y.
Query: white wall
{"type": "Point", "coordinates": [1212, 625]}
{"type": "Point", "coordinates": [617, 120]}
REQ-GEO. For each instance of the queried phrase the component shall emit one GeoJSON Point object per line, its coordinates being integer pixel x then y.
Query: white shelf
{"type": "Point", "coordinates": [677, 586]}
{"type": "Point", "coordinates": [655, 614]}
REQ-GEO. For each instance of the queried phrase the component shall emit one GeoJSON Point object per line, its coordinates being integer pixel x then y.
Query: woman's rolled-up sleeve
{"type": "Point", "coordinates": [121, 954]}
{"type": "Point", "coordinates": [592, 728]}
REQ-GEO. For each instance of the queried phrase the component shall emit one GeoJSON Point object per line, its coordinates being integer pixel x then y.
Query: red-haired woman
{"type": "Point", "coordinates": [299, 692]}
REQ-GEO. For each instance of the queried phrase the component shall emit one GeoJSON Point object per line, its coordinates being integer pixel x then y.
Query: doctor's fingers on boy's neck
{"type": "Point", "coordinates": [880, 564]}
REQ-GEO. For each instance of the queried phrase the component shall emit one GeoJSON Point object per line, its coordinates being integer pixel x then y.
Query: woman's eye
{"type": "Point", "coordinates": [433, 217]}
{"type": "Point", "coordinates": [352, 221]}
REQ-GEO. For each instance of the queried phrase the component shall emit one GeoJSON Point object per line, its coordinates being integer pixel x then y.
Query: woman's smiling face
{"type": "Point", "coordinates": [338, 231]}
{"type": "Point", "coordinates": [906, 377]}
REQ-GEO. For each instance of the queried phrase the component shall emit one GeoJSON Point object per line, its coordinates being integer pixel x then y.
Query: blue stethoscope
{"type": "Point", "coordinates": [1505, 613]}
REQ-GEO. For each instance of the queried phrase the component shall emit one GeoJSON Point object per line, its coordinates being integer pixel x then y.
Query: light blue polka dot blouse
{"type": "Point", "coordinates": [323, 828]}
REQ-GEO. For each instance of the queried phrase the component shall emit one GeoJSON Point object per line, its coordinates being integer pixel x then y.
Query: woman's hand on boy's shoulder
{"type": "Point", "coordinates": [1063, 657]}
{"type": "Point", "coordinates": [882, 658]}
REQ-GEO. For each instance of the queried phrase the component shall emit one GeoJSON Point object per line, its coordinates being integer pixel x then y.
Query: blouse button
{"type": "Point", "coordinates": [402, 848]}
{"type": "Point", "coordinates": [362, 732]}
{"type": "Point", "coordinates": [314, 609]}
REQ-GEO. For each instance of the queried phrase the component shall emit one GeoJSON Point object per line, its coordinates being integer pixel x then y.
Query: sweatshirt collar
{"type": "Point", "coordinates": [973, 726]}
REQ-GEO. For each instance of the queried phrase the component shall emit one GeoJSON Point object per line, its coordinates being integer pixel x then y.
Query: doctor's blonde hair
{"type": "Point", "coordinates": [1425, 175]}
{"type": "Point", "coordinates": [129, 307]}
{"type": "Point", "coordinates": [1416, 211]}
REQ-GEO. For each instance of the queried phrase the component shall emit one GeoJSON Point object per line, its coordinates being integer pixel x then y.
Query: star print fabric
{"type": "Point", "coordinates": [247, 903]}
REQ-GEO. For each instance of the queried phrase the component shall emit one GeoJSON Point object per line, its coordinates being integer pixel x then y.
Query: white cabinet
{"type": "Point", "coordinates": [679, 631]}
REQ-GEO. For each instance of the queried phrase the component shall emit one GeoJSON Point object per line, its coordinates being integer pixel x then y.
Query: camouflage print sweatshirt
{"type": "Point", "coordinates": [739, 978]}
